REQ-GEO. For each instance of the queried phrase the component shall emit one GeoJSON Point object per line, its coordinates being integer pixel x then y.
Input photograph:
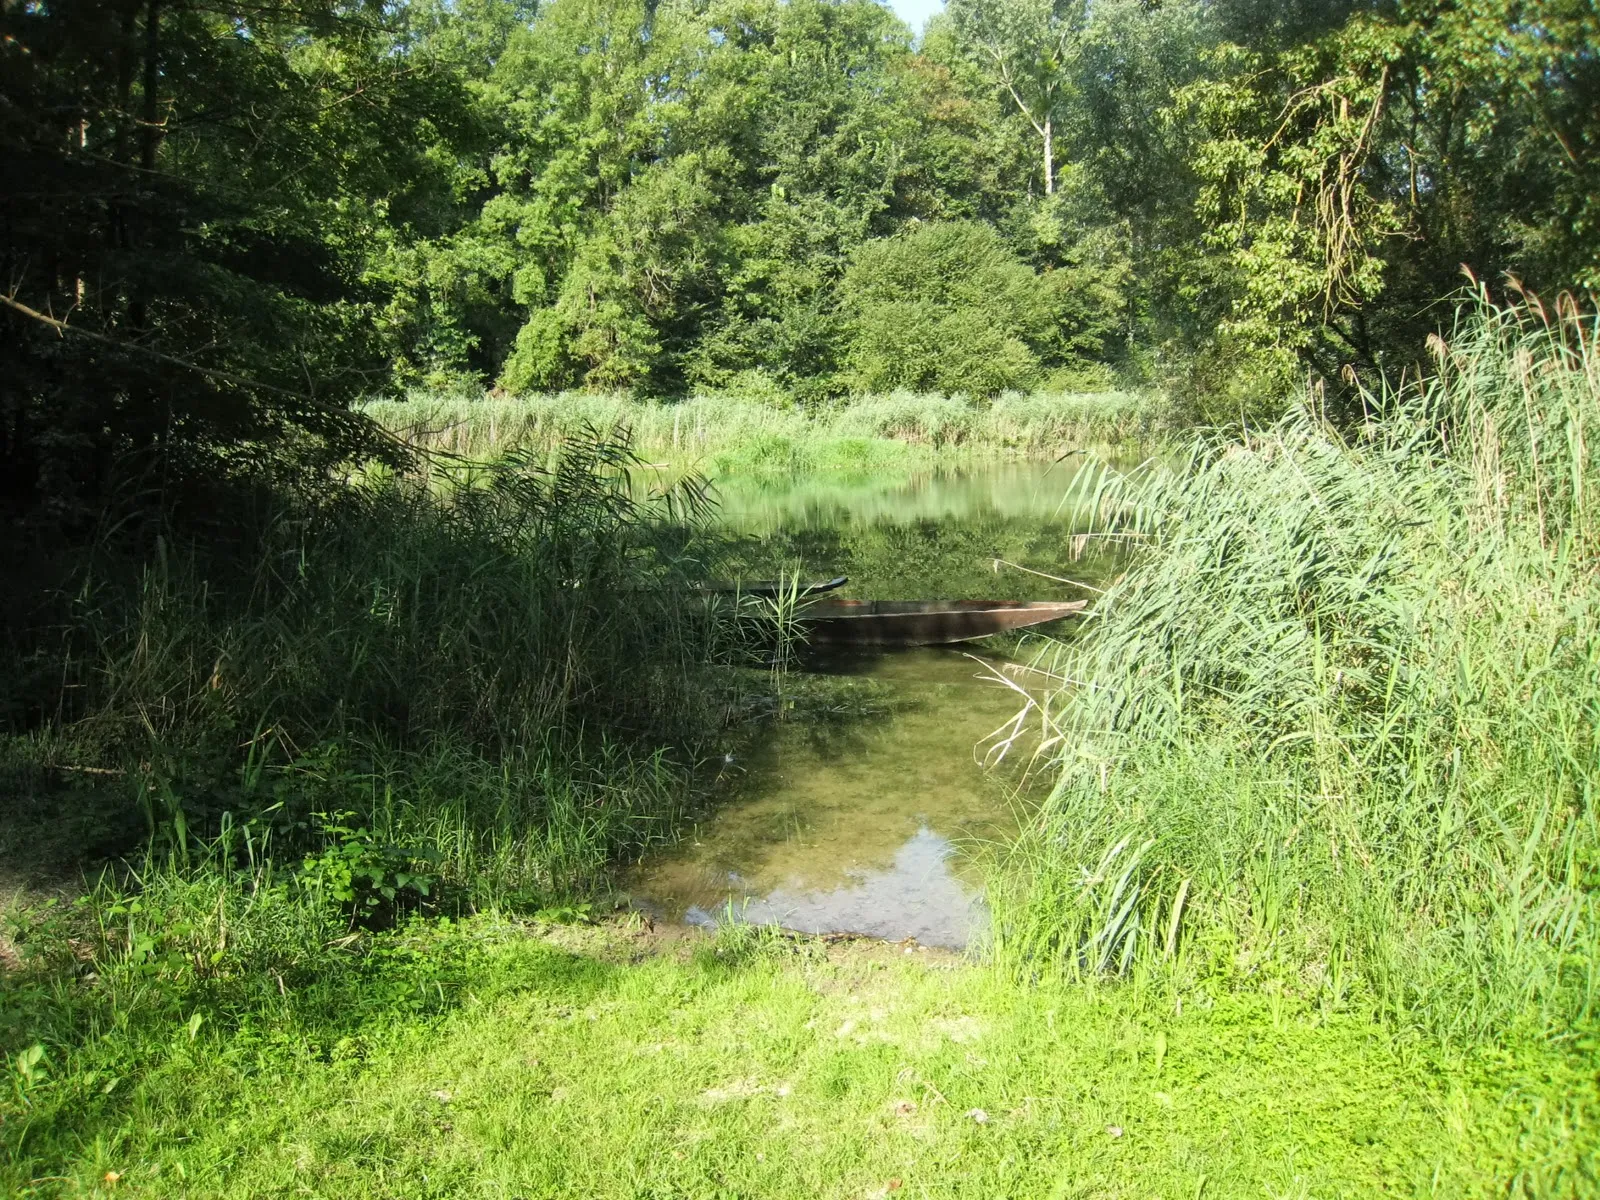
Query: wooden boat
{"type": "Point", "coordinates": [775, 587]}
{"type": "Point", "coordinates": [924, 622]}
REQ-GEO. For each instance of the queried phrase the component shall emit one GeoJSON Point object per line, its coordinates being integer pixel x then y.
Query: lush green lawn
{"type": "Point", "coordinates": [485, 1060]}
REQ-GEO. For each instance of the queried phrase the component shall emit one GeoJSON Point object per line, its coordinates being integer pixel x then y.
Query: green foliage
{"type": "Point", "coordinates": [242, 219]}
{"type": "Point", "coordinates": [946, 308]}
{"type": "Point", "coordinates": [1350, 168]}
{"type": "Point", "coordinates": [372, 879]}
{"type": "Point", "coordinates": [1282, 187]}
{"type": "Point", "coordinates": [197, 198]}
{"type": "Point", "coordinates": [1344, 701]}
{"type": "Point", "coordinates": [729, 431]}
{"type": "Point", "coordinates": [469, 603]}
{"type": "Point", "coordinates": [1029, 48]}
{"type": "Point", "coordinates": [482, 671]}
{"type": "Point", "coordinates": [683, 205]}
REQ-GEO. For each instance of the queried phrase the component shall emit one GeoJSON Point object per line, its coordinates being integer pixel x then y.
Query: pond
{"type": "Point", "coordinates": [860, 806]}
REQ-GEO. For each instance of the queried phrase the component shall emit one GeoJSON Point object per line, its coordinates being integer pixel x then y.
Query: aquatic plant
{"type": "Point", "coordinates": [1337, 725]}
{"type": "Point", "coordinates": [730, 432]}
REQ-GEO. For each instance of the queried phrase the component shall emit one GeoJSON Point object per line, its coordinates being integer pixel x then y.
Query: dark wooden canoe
{"type": "Point", "coordinates": [774, 587]}
{"type": "Point", "coordinates": [923, 622]}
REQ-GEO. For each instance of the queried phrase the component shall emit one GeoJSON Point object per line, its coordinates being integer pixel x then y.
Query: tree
{"type": "Point", "coordinates": [1350, 176]}
{"type": "Point", "coordinates": [193, 197]}
{"type": "Point", "coordinates": [949, 307]}
{"type": "Point", "coordinates": [839, 151]}
{"type": "Point", "coordinates": [1029, 47]}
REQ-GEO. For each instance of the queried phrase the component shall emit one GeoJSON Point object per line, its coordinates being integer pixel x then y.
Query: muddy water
{"type": "Point", "coordinates": [862, 804]}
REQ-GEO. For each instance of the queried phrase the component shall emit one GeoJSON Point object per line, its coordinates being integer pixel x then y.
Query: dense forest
{"type": "Point", "coordinates": [223, 222]}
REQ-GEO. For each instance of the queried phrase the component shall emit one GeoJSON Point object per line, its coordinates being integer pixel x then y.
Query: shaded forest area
{"type": "Point", "coordinates": [221, 223]}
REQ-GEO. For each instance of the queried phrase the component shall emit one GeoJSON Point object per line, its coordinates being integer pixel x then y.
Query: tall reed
{"type": "Point", "coordinates": [490, 663]}
{"type": "Point", "coordinates": [728, 432]}
{"type": "Point", "coordinates": [1337, 726]}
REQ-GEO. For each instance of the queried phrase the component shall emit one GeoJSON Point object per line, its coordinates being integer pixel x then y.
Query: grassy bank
{"type": "Point", "coordinates": [497, 1059]}
{"type": "Point", "coordinates": [1334, 735]}
{"type": "Point", "coordinates": [484, 686]}
{"type": "Point", "coordinates": [1310, 910]}
{"type": "Point", "coordinates": [726, 433]}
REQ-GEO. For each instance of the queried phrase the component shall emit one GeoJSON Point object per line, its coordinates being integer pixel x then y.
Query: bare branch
{"type": "Point", "coordinates": [63, 328]}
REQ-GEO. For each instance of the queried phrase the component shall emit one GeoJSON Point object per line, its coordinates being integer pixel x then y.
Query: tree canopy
{"type": "Point", "coordinates": [197, 206]}
{"type": "Point", "coordinates": [221, 223]}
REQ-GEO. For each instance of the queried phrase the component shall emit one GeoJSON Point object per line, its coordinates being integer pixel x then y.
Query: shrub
{"type": "Point", "coordinates": [943, 307]}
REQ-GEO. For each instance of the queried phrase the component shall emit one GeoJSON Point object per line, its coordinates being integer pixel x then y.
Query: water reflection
{"type": "Point", "coordinates": [1022, 489]}
{"type": "Point", "coordinates": [932, 536]}
{"type": "Point", "coordinates": [862, 825]}
{"type": "Point", "coordinates": [916, 896]}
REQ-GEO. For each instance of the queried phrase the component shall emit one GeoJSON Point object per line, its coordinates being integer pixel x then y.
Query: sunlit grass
{"type": "Point", "coordinates": [726, 433]}
{"type": "Point", "coordinates": [484, 1060]}
{"type": "Point", "coordinates": [1336, 729]}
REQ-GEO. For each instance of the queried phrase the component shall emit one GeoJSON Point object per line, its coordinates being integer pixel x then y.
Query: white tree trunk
{"type": "Point", "coordinates": [1049, 158]}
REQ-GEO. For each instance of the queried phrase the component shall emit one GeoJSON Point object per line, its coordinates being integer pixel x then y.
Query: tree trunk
{"type": "Point", "coordinates": [126, 52]}
{"type": "Point", "coordinates": [150, 134]}
{"type": "Point", "coordinates": [122, 147]}
{"type": "Point", "coordinates": [1049, 157]}
{"type": "Point", "coordinates": [149, 140]}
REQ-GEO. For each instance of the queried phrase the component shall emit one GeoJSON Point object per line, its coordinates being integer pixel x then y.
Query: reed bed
{"type": "Point", "coordinates": [496, 674]}
{"type": "Point", "coordinates": [1335, 732]}
{"type": "Point", "coordinates": [324, 724]}
{"type": "Point", "coordinates": [727, 432]}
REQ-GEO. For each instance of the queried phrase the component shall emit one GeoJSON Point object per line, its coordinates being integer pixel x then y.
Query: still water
{"type": "Point", "coordinates": [861, 806]}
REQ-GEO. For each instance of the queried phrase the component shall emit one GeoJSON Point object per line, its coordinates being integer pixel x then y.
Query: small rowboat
{"type": "Point", "coordinates": [777, 587]}
{"type": "Point", "coordinates": [924, 622]}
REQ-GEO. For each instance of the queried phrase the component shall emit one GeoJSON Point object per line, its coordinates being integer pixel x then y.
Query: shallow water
{"type": "Point", "coordinates": [861, 807]}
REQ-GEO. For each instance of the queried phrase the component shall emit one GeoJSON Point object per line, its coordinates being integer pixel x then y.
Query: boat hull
{"type": "Point", "coordinates": [924, 623]}
{"type": "Point", "coordinates": [776, 587]}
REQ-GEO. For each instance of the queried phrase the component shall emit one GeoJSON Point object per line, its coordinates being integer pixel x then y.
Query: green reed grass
{"type": "Point", "coordinates": [726, 432]}
{"type": "Point", "coordinates": [1337, 727]}
{"type": "Point", "coordinates": [503, 669]}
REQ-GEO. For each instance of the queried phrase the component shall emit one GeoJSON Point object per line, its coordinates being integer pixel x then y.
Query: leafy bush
{"type": "Point", "coordinates": [949, 307]}
{"type": "Point", "coordinates": [944, 307]}
{"type": "Point", "coordinates": [374, 880]}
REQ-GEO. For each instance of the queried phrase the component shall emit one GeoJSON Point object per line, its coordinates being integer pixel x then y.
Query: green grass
{"type": "Point", "coordinates": [1312, 909]}
{"type": "Point", "coordinates": [1337, 727]}
{"type": "Point", "coordinates": [496, 680]}
{"type": "Point", "coordinates": [726, 433]}
{"type": "Point", "coordinates": [488, 1059]}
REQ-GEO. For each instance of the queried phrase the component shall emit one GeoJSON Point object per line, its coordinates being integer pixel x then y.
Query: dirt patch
{"type": "Point", "coordinates": [13, 896]}
{"type": "Point", "coordinates": [10, 958]}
